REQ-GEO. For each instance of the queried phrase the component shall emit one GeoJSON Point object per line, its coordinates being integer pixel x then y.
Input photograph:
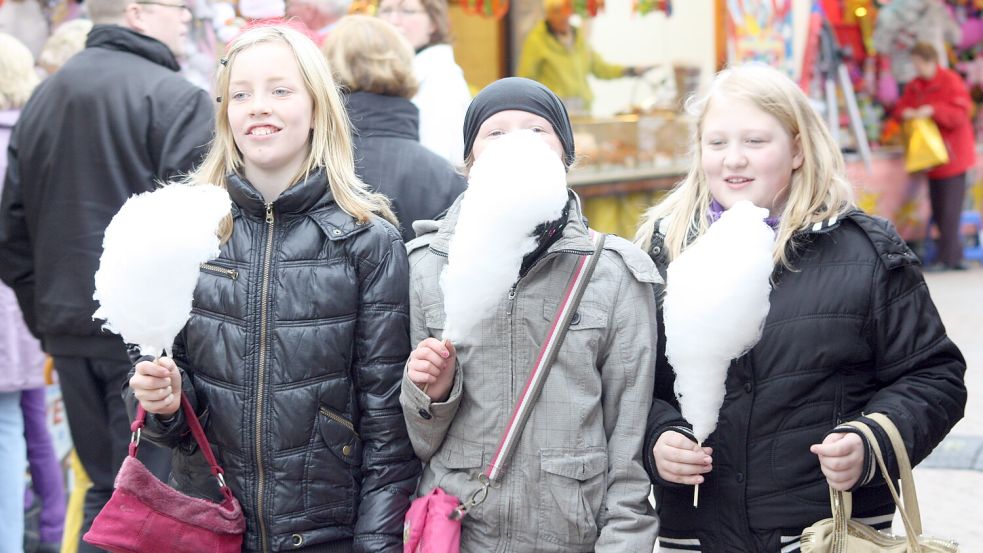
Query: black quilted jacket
{"type": "Point", "coordinates": [293, 358]}
{"type": "Point", "coordinates": [851, 330]}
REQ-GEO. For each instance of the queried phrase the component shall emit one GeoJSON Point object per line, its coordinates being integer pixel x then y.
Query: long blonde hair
{"type": "Point", "coordinates": [818, 189]}
{"type": "Point", "coordinates": [331, 144]}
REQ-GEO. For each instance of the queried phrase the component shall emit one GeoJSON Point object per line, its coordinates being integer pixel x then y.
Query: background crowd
{"type": "Point", "coordinates": [334, 134]}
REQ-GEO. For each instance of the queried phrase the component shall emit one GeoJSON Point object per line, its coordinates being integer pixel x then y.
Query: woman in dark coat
{"type": "Point", "coordinates": [375, 63]}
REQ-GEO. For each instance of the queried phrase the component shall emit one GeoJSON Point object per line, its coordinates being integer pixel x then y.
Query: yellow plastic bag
{"type": "Point", "coordinates": [925, 149]}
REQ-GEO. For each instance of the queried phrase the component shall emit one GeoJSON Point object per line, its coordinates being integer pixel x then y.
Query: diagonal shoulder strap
{"type": "Point", "coordinates": [537, 377]}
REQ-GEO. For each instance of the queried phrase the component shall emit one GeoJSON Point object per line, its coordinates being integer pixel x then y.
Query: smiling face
{"type": "Point", "coordinates": [747, 155]}
{"type": "Point", "coordinates": [507, 121]}
{"type": "Point", "coordinates": [270, 110]}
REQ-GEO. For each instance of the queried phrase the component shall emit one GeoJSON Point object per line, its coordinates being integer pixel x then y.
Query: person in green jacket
{"type": "Point", "coordinates": [557, 54]}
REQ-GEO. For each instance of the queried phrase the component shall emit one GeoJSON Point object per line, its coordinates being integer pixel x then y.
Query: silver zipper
{"type": "Point", "coordinates": [210, 268]}
{"type": "Point", "coordinates": [340, 420]}
{"type": "Point", "coordinates": [261, 381]}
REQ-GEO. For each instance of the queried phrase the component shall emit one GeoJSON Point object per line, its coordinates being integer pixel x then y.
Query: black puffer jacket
{"type": "Point", "coordinates": [390, 159]}
{"type": "Point", "coordinates": [293, 356]}
{"type": "Point", "coordinates": [851, 330]}
{"type": "Point", "coordinates": [112, 122]}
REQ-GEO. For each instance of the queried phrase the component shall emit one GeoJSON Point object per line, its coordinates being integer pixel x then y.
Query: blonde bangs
{"type": "Point", "coordinates": [818, 190]}
{"type": "Point", "coordinates": [331, 145]}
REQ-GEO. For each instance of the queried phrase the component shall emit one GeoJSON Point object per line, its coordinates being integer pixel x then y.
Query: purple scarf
{"type": "Point", "coordinates": [716, 210]}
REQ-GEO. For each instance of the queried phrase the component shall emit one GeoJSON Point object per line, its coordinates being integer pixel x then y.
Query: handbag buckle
{"type": "Point", "coordinates": [477, 498]}
{"type": "Point", "coordinates": [135, 437]}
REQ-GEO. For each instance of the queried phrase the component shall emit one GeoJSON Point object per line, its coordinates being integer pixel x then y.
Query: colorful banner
{"type": "Point", "coordinates": [760, 30]}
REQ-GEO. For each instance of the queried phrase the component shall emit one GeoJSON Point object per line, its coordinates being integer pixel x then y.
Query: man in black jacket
{"type": "Point", "coordinates": [115, 120]}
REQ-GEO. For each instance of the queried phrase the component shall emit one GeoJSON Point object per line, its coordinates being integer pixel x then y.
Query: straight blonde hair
{"type": "Point", "coordinates": [330, 142]}
{"type": "Point", "coordinates": [368, 54]}
{"type": "Point", "coordinates": [818, 189]}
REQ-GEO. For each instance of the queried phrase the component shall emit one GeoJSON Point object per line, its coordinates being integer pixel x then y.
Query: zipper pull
{"type": "Point", "coordinates": [269, 212]}
{"type": "Point", "coordinates": [511, 298]}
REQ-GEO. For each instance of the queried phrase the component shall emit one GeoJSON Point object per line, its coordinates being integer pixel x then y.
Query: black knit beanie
{"type": "Point", "coordinates": [523, 95]}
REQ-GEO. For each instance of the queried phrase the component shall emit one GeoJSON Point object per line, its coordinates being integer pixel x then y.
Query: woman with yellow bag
{"type": "Point", "coordinates": [940, 94]}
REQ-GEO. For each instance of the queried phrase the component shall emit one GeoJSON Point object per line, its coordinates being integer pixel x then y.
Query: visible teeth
{"type": "Point", "coordinates": [262, 131]}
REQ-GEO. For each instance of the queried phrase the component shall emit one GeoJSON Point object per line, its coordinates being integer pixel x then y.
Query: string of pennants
{"type": "Point", "coordinates": [584, 8]}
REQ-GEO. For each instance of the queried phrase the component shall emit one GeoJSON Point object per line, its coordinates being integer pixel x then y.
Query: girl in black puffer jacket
{"type": "Point", "coordinates": [294, 351]}
{"type": "Point", "coordinates": [851, 330]}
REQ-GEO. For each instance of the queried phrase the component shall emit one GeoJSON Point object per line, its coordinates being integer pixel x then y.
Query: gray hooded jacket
{"type": "Point", "coordinates": [576, 480]}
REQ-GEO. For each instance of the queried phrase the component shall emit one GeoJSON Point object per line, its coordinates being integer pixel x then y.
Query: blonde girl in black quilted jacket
{"type": "Point", "coordinates": [294, 351]}
{"type": "Point", "coordinates": [851, 330]}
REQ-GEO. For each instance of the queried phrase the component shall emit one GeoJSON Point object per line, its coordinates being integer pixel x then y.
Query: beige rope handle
{"type": "Point", "coordinates": [910, 532]}
{"type": "Point", "coordinates": [904, 466]}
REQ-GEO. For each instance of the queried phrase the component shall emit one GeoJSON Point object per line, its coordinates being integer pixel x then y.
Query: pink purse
{"type": "Point", "coordinates": [433, 522]}
{"type": "Point", "coordinates": [145, 515]}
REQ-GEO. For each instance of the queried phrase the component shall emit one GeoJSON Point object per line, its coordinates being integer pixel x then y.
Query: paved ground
{"type": "Point", "coordinates": [950, 481]}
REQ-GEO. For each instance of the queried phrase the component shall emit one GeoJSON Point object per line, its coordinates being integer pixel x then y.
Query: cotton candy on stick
{"type": "Point", "coordinates": [152, 251]}
{"type": "Point", "coordinates": [517, 183]}
{"type": "Point", "coordinates": [714, 310]}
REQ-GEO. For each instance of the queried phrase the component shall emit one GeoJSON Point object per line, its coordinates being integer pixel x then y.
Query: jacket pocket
{"type": "Point", "coordinates": [332, 481]}
{"type": "Point", "coordinates": [434, 317]}
{"type": "Point", "coordinates": [340, 436]}
{"type": "Point", "coordinates": [571, 492]}
{"type": "Point", "coordinates": [218, 270]}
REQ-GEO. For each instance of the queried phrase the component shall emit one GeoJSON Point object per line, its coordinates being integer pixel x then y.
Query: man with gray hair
{"type": "Point", "coordinates": [319, 15]}
{"type": "Point", "coordinates": [114, 121]}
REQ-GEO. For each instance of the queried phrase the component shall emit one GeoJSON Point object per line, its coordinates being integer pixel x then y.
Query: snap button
{"type": "Point", "coordinates": [346, 450]}
{"type": "Point", "coordinates": [576, 318]}
{"type": "Point", "coordinates": [336, 231]}
{"type": "Point", "coordinates": [747, 387]}
{"type": "Point", "coordinates": [425, 414]}
{"type": "Point", "coordinates": [740, 477]}
{"type": "Point", "coordinates": [656, 250]}
{"type": "Point", "coordinates": [297, 540]}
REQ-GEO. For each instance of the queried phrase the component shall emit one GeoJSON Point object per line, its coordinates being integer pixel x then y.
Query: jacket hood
{"type": "Point", "coordinates": [116, 37]}
{"type": "Point", "coordinates": [375, 115]}
{"type": "Point", "coordinates": [302, 196]}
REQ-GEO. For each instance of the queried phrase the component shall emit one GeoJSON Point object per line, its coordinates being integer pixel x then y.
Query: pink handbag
{"type": "Point", "coordinates": [430, 525]}
{"type": "Point", "coordinates": [145, 515]}
{"type": "Point", "coordinates": [433, 522]}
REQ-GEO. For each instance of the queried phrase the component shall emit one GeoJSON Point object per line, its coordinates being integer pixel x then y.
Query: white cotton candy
{"type": "Point", "coordinates": [715, 307]}
{"type": "Point", "coordinates": [516, 184]}
{"type": "Point", "coordinates": [150, 262]}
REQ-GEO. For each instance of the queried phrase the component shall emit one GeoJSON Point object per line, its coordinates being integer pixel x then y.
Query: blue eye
{"type": "Point", "coordinates": [239, 96]}
{"type": "Point", "coordinates": [281, 91]}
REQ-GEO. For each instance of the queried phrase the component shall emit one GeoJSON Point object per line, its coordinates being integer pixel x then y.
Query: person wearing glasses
{"type": "Point", "coordinates": [443, 95]}
{"type": "Point", "coordinates": [115, 120]}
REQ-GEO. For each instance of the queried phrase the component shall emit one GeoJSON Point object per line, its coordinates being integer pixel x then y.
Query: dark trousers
{"type": "Point", "coordinates": [92, 392]}
{"type": "Point", "coordinates": [947, 196]}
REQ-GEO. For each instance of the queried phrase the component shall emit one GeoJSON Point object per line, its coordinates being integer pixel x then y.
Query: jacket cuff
{"type": "Point", "coordinates": [420, 403]}
{"type": "Point", "coordinates": [870, 462]}
{"type": "Point", "coordinates": [680, 426]}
